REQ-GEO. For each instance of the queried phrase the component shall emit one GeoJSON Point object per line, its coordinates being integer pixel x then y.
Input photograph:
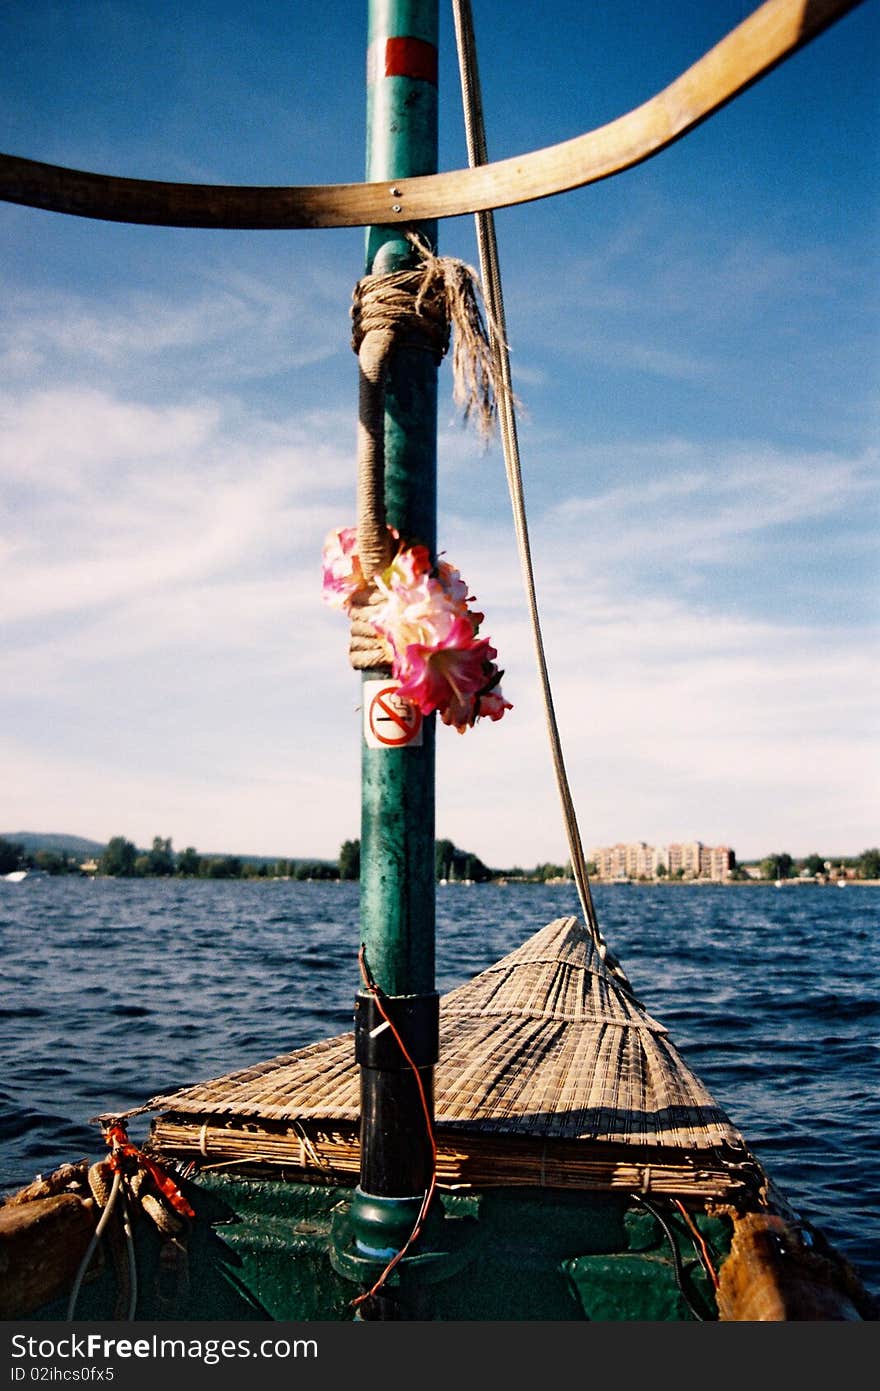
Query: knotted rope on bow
{"type": "Point", "coordinates": [423, 307]}
{"type": "Point", "coordinates": [123, 1179]}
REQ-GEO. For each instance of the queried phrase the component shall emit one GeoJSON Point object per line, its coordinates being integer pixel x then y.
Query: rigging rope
{"type": "Point", "coordinates": [90, 1249]}
{"type": "Point", "coordinates": [494, 299]}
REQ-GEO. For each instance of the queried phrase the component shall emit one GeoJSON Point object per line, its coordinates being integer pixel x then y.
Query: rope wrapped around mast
{"type": "Point", "coordinates": [425, 307]}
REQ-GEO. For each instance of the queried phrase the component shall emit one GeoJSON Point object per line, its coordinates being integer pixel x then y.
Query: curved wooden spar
{"type": "Point", "coordinates": [772, 33]}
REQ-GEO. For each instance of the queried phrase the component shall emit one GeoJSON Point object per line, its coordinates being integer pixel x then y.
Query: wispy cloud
{"type": "Point", "coordinates": [702, 521]}
{"type": "Point", "coordinates": [716, 498]}
{"type": "Point", "coordinates": [108, 499]}
{"type": "Point", "coordinates": [222, 322]}
{"type": "Point", "coordinates": [670, 294]}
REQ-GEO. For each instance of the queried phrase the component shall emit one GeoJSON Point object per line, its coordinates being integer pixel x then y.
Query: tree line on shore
{"type": "Point", "coordinates": [783, 866]}
{"type": "Point", "coordinates": [121, 858]}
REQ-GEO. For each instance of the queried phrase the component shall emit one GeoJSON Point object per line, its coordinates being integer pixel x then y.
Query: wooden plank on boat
{"type": "Point", "coordinates": [773, 1276]}
{"type": "Point", "coordinates": [42, 1242]}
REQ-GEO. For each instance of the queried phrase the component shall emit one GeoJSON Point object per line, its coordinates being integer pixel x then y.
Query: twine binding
{"type": "Point", "coordinates": [424, 307]}
{"type": "Point", "coordinates": [367, 648]}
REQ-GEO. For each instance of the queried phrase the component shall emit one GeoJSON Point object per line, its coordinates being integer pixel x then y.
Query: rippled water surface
{"type": "Point", "coordinates": [114, 991]}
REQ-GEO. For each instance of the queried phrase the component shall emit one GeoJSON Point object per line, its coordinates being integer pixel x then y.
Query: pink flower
{"type": "Point", "coordinates": [492, 704]}
{"type": "Point", "coordinates": [487, 702]}
{"type": "Point", "coordinates": [453, 584]}
{"type": "Point", "coordinates": [342, 576]}
{"type": "Point", "coordinates": [425, 617]}
{"type": "Point", "coordinates": [418, 613]}
{"type": "Point", "coordinates": [446, 674]}
{"type": "Point", "coordinates": [409, 566]}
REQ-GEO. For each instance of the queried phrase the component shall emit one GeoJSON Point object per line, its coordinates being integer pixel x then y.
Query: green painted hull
{"type": "Point", "coordinates": [269, 1250]}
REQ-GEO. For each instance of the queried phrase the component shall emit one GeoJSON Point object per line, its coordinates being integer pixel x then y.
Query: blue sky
{"type": "Point", "coordinates": [695, 344]}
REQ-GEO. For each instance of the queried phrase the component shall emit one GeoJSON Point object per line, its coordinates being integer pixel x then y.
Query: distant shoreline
{"type": "Point", "coordinates": [502, 881]}
{"type": "Point", "coordinates": [702, 883]}
{"type": "Point", "coordinates": [507, 882]}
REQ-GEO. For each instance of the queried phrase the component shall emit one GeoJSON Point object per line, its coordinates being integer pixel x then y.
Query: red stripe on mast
{"type": "Point", "coordinates": [411, 58]}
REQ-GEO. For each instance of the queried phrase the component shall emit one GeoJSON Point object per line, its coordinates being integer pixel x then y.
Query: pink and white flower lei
{"type": "Point", "coordinates": [425, 618]}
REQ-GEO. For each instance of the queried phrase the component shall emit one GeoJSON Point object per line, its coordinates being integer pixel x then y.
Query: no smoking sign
{"type": "Point", "coordinates": [390, 721]}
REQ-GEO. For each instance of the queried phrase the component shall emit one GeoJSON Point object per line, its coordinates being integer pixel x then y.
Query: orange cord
{"type": "Point", "coordinates": [698, 1237]}
{"type": "Point", "coordinates": [429, 1191]}
{"type": "Point", "coordinates": [116, 1137]}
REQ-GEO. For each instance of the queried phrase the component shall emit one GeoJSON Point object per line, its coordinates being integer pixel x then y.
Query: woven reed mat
{"type": "Point", "coordinates": [547, 1067]}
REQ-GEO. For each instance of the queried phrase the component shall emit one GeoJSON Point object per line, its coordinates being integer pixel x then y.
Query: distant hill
{"type": "Point", "coordinates": [55, 842]}
{"type": "Point", "coordinates": [81, 848]}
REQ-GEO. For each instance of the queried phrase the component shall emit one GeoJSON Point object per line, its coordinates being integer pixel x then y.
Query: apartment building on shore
{"type": "Point", "coordinates": [682, 860]}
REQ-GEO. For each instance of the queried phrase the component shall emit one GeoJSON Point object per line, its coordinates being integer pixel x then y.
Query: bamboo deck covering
{"type": "Point", "coordinates": [549, 1072]}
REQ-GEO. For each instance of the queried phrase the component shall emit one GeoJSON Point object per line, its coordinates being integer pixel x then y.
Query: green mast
{"type": "Point", "coordinates": [397, 817]}
{"type": "Point", "coordinates": [397, 780]}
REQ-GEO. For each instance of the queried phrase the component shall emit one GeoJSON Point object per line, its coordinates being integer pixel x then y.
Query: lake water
{"type": "Point", "coordinates": [116, 990]}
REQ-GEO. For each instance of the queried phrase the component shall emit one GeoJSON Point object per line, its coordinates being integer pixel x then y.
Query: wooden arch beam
{"type": "Point", "coordinates": [771, 34]}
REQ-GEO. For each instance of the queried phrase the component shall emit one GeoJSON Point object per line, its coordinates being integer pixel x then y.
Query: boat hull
{"type": "Point", "coordinates": [270, 1249]}
{"type": "Point", "coordinates": [264, 1249]}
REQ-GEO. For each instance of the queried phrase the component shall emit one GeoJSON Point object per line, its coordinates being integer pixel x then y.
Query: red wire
{"type": "Point", "coordinates": [699, 1238]}
{"type": "Point", "coordinates": [429, 1191]}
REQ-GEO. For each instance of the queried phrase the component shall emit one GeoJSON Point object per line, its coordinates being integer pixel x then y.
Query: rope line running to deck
{"type": "Point", "coordinates": [491, 275]}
